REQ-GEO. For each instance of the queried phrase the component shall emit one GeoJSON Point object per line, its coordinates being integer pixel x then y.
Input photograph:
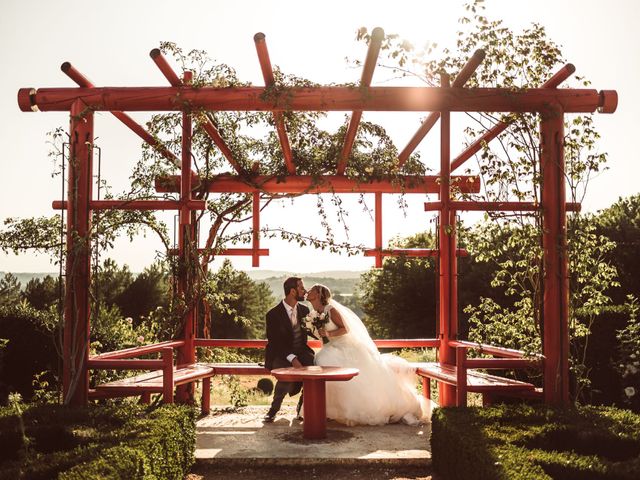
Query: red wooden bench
{"type": "Point", "coordinates": [466, 378]}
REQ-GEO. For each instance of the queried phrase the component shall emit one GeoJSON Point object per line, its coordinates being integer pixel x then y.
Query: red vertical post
{"type": "Point", "coordinates": [255, 259]}
{"type": "Point", "coordinates": [461, 377]}
{"type": "Point", "coordinates": [378, 220]}
{"type": "Point", "coordinates": [555, 310]}
{"type": "Point", "coordinates": [75, 377]}
{"type": "Point", "coordinates": [187, 247]}
{"type": "Point", "coordinates": [167, 375]}
{"type": "Point", "coordinates": [446, 233]}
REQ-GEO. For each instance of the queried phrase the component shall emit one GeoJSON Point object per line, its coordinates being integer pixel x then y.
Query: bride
{"type": "Point", "coordinates": [384, 390]}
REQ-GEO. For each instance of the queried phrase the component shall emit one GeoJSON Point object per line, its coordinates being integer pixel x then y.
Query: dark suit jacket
{"type": "Point", "coordinates": [280, 336]}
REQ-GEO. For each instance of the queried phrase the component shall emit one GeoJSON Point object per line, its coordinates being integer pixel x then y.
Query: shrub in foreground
{"type": "Point", "coordinates": [523, 442]}
{"type": "Point", "coordinates": [110, 442]}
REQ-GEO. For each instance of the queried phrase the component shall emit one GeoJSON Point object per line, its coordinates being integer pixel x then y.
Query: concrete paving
{"type": "Point", "coordinates": [241, 439]}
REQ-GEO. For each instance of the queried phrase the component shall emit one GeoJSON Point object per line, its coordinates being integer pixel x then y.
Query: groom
{"type": "Point", "coordinates": [287, 342]}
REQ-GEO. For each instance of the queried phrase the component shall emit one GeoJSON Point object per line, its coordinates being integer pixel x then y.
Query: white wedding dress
{"type": "Point", "coordinates": [385, 389]}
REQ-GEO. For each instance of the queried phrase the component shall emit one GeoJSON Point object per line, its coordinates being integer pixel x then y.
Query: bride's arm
{"type": "Point", "coordinates": [337, 319]}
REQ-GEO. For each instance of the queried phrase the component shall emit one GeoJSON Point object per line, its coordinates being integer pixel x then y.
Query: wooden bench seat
{"type": "Point", "coordinates": [474, 381]}
{"type": "Point", "coordinates": [238, 369]}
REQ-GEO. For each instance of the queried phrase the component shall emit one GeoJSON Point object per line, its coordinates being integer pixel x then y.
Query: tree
{"type": "Point", "coordinates": [9, 290]}
{"type": "Point", "coordinates": [510, 171]}
{"type": "Point", "coordinates": [400, 299]}
{"type": "Point", "coordinates": [149, 290]}
{"type": "Point", "coordinates": [621, 224]}
{"type": "Point", "coordinates": [42, 293]}
{"type": "Point", "coordinates": [238, 304]}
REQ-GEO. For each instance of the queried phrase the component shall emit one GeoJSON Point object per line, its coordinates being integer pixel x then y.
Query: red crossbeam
{"type": "Point", "coordinates": [232, 252]}
{"type": "Point", "coordinates": [410, 252]}
{"type": "Point", "coordinates": [137, 205]}
{"type": "Point", "coordinates": [409, 99]}
{"type": "Point", "coordinates": [469, 206]}
{"type": "Point", "coordinates": [242, 343]}
{"type": "Point", "coordinates": [323, 184]}
{"type": "Point", "coordinates": [367, 74]}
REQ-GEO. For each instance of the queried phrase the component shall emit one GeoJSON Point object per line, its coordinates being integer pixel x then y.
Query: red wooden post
{"type": "Point", "coordinates": [315, 423]}
{"type": "Point", "coordinates": [145, 398]}
{"type": "Point", "coordinates": [378, 219]}
{"type": "Point", "coordinates": [167, 375]}
{"type": "Point", "coordinates": [426, 387]}
{"type": "Point", "coordinates": [186, 235]}
{"type": "Point", "coordinates": [255, 260]}
{"type": "Point", "coordinates": [206, 395]}
{"type": "Point", "coordinates": [554, 242]}
{"type": "Point", "coordinates": [461, 377]}
{"type": "Point", "coordinates": [446, 232]}
{"type": "Point", "coordinates": [75, 375]}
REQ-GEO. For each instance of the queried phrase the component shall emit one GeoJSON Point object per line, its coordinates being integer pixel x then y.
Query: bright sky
{"type": "Point", "coordinates": [109, 42]}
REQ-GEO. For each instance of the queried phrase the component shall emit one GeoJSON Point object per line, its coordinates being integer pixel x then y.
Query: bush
{"type": "Point", "coordinates": [522, 442]}
{"type": "Point", "coordinates": [109, 442]}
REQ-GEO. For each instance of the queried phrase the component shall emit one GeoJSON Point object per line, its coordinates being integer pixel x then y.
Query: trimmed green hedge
{"type": "Point", "coordinates": [97, 443]}
{"type": "Point", "coordinates": [523, 442]}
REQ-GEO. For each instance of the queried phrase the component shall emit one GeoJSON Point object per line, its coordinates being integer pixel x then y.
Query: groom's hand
{"type": "Point", "coordinates": [296, 363]}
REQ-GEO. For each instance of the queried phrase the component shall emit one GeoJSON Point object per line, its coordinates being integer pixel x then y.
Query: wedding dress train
{"type": "Point", "coordinates": [385, 389]}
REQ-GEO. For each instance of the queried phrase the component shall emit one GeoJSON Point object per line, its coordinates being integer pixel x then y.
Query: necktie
{"type": "Point", "coordinates": [293, 316]}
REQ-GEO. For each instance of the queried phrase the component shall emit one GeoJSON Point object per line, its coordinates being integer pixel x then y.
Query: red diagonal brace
{"type": "Point", "coordinates": [83, 81]}
{"type": "Point", "coordinates": [203, 120]}
{"type": "Point", "coordinates": [560, 76]}
{"type": "Point", "coordinates": [267, 73]}
{"type": "Point", "coordinates": [367, 74]}
{"type": "Point", "coordinates": [430, 121]}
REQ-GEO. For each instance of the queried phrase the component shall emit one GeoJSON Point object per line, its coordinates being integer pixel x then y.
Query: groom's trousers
{"type": "Point", "coordinates": [283, 388]}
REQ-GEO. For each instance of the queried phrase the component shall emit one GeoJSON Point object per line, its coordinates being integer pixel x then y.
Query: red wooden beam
{"type": "Point", "coordinates": [410, 252]}
{"type": "Point", "coordinates": [559, 77]}
{"type": "Point", "coordinates": [137, 204]}
{"type": "Point", "coordinates": [138, 351]}
{"type": "Point", "coordinates": [367, 74]}
{"type": "Point", "coordinates": [432, 118]}
{"type": "Point", "coordinates": [386, 343]}
{"type": "Point", "coordinates": [267, 73]}
{"type": "Point", "coordinates": [84, 82]}
{"type": "Point", "coordinates": [324, 184]}
{"type": "Point", "coordinates": [233, 252]}
{"type": "Point", "coordinates": [408, 99]}
{"type": "Point", "coordinates": [471, 206]}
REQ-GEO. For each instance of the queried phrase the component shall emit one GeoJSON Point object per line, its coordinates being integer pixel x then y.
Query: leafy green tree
{"type": "Point", "coordinates": [148, 291]}
{"type": "Point", "coordinates": [621, 224]}
{"type": "Point", "coordinates": [399, 299]}
{"type": "Point", "coordinates": [111, 282]}
{"type": "Point", "coordinates": [510, 171]}
{"type": "Point", "coordinates": [42, 293]}
{"type": "Point", "coordinates": [238, 304]}
{"type": "Point", "coordinates": [9, 290]}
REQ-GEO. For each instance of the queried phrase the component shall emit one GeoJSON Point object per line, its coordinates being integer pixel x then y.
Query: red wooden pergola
{"type": "Point", "coordinates": [551, 103]}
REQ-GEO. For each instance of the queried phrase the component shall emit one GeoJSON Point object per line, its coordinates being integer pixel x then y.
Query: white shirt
{"type": "Point", "coordinates": [292, 312]}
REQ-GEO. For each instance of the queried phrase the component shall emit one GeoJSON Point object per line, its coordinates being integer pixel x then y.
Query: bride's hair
{"type": "Point", "coordinates": [325, 293]}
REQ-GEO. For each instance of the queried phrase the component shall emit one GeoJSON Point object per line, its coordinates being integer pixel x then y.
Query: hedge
{"type": "Point", "coordinates": [97, 443]}
{"type": "Point", "coordinates": [522, 442]}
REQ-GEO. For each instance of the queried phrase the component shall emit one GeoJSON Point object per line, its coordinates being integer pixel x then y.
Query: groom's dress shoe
{"type": "Point", "coordinates": [269, 418]}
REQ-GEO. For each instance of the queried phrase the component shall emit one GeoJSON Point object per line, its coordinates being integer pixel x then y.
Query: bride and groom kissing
{"type": "Point", "coordinates": [384, 390]}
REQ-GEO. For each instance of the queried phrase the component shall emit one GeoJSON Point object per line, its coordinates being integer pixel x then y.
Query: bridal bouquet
{"type": "Point", "coordinates": [313, 322]}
